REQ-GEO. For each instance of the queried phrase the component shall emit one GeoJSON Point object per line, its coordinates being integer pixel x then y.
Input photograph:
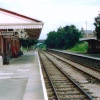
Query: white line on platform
{"type": "Point", "coordinates": [6, 73]}
{"type": "Point", "coordinates": [42, 79]}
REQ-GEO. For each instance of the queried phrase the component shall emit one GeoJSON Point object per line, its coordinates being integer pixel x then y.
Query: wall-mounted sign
{"type": "Point", "coordinates": [6, 33]}
{"type": "Point", "coordinates": [12, 37]}
{"type": "Point", "coordinates": [7, 36]}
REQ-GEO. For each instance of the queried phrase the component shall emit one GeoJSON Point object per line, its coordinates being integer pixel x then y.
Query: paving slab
{"type": "Point", "coordinates": [12, 89]}
{"type": "Point", "coordinates": [21, 79]}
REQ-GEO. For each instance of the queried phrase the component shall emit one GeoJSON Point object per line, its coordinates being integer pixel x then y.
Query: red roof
{"type": "Point", "coordinates": [14, 13]}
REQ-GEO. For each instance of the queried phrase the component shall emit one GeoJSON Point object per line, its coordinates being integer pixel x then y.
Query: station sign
{"type": "Point", "coordinates": [11, 37]}
{"type": "Point", "coordinates": [6, 33]}
{"type": "Point", "coordinates": [7, 36]}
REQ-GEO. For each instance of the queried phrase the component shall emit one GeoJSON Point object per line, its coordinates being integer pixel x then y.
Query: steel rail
{"type": "Point", "coordinates": [88, 96]}
{"type": "Point", "coordinates": [77, 55]}
{"type": "Point", "coordinates": [57, 97]}
{"type": "Point", "coordinates": [78, 68]}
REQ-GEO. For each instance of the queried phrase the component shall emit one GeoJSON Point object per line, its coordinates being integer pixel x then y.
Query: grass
{"type": "Point", "coordinates": [79, 48]}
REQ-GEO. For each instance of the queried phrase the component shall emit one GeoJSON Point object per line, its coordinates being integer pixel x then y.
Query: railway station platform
{"type": "Point", "coordinates": [91, 55]}
{"type": "Point", "coordinates": [22, 79]}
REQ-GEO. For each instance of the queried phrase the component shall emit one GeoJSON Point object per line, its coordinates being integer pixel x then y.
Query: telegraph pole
{"type": "Point", "coordinates": [86, 29]}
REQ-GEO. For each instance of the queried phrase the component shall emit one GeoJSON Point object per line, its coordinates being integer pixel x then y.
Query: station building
{"type": "Point", "coordinates": [13, 27]}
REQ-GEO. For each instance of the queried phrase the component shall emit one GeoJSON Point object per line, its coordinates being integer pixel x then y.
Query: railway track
{"type": "Point", "coordinates": [61, 86]}
{"type": "Point", "coordinates": [92, 74]}
{"type": "Point", "coordinates": [88, 61]}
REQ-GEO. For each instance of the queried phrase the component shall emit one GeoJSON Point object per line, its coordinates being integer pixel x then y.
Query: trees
{"type": "Point", "coordinates": [97, 26]}
{"type": "Point", "coordinates": [50, 41]}
{"type": "Point", "coordinates": [60, 39]}
{"type": "Point", "coordinates": [64, 38]}
{"type": "Point", "coordinates": [28, 43]}
{"type": "Point", "coordinates": [72, 35]}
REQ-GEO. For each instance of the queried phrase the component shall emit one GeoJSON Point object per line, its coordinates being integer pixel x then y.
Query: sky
{"type": "Point", "coordinates": [56, 13]}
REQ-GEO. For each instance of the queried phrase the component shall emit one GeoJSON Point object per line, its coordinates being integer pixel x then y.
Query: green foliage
{"type": "Point", "coordinates": [64, 38]}
{"type": "Point", "coordinates": [41, 46]}
{"type": "Point", "coordinates": [50, 41]}
{"type": "Point", "coordinates": [28, 43]}
{"type": "Point", "coordinates": [97, 27]}
{"type": "Point", "coordinates": [60, 39]}
{"type": "Point", "coordinates": [80, 47]}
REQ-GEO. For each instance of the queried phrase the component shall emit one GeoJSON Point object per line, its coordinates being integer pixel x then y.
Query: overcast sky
{"type": "Point", "coordinates": [56, 13]}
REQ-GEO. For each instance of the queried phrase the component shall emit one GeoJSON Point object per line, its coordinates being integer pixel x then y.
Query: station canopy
{"type": "Point", "coordinates": [26, 27]}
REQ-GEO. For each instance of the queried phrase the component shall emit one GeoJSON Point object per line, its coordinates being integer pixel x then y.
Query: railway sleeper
{"type": "Point", "coordinates": [62, 83]}
{"type": "Point", "coordinates": [50, 93]}
{"type": "Point", "coordinates": [67, 89]}
{"type": "Point", "coordinates": [74, 97]}
{"type": "Point", "coordinates": [69, 92]}
{"type": "Point", "coordinates": [67, 86]}
{"type": "Point", "coordinates": [52, 98]}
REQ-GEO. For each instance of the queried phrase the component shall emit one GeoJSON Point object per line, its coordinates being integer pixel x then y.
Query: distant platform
{"type": "Point", "coordinates": [87, 38]}
{"type": "Point", "coordinates": [92, 55]}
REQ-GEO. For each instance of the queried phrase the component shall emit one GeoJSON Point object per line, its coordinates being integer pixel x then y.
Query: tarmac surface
{"type": "Point", "coordinates": [21, 79]}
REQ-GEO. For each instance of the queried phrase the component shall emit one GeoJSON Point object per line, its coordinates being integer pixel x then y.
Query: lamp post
{"type": "Point", "coordinates": [86, 29]}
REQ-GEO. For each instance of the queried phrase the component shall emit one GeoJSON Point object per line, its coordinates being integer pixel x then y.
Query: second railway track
{"type": "Point", "coordinates": [92, 74]}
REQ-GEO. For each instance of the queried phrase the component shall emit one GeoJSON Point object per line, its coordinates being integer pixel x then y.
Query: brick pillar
{"type": "Point", "coordinates": [13, 49]}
